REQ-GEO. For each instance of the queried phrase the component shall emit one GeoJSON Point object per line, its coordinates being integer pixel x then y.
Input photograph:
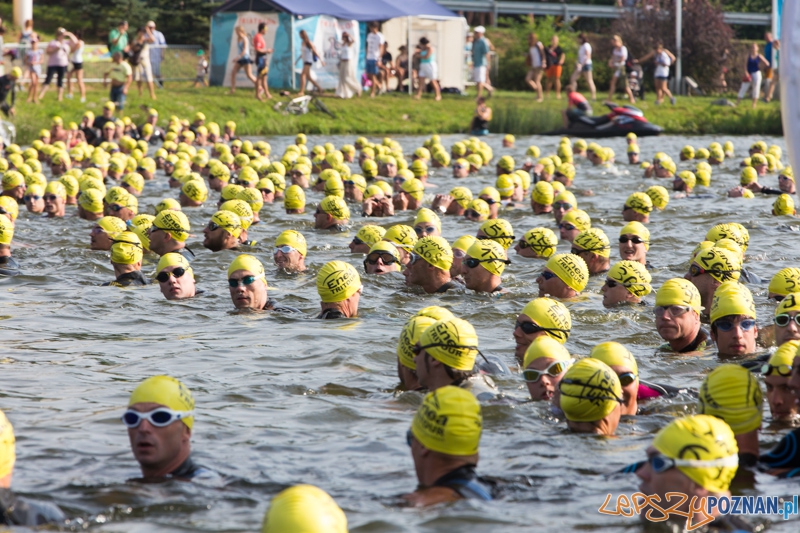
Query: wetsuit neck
{"type": "Point", "coordinates": [186, 470]}
{"type": "Point", "coordinates": [695, 345]}
{"type": "Point", "coordinates": [465, 482]}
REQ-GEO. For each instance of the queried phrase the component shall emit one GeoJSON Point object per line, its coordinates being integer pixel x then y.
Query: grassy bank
{"type": "Point", "coordinates": [514, 112]}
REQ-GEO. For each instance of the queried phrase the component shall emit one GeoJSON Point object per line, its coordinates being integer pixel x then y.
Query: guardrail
{"type": "Point", "coordinates": [577, 10]}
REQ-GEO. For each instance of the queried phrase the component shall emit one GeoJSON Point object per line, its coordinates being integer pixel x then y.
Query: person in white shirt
{"type": "Point", "coordinates": [663, 59]}
{"type": "Point", "coordinates": [347, 76]}
{"type": "Point", "coordinates": [376, 46]}
{"type": "Point", "coordinates": [309, 55]}
{"type": "Point", "coordinates": [584, 65]}
{"type": "Point", "coordinates": [535, 60]}
{"type": "Point", "coordinates": [619, 57]}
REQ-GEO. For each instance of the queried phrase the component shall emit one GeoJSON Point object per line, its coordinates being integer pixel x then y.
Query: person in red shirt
{"type": "Point", "coordinates": [262, 61]}
{"type": "Point", "coordinates": [577, 105]}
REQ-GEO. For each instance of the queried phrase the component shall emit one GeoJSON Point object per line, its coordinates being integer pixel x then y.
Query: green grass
{"type": "Point", "coordinates": [514, 112]}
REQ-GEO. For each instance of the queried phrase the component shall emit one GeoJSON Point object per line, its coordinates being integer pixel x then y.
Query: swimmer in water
{"type": "Point", "coordinates": [427, 224]}
{"type": "Point", "coordinates": [777, 371]}
{"type": "Point", "coordinates": [175, 277]}
{"type": "Point", "coordinates": [429, 266]}
{"type": "Point", "coordinates": [34, 198]}
{"type": "Point", "coordinates": [453, 203]}
{"type": "Point", "coordinates": [726, 267]}
{"type": "Point", "coordinates": [404, 238]}
{"type": "Point", "coordinates": [169, 232]}
{"type": "Point", "coordinates": [677, 313]}
{"type": "Point", "coordinates": [732, 393]}
{"type": "Point", "coordinates": [8, 265]}
{"type": "Point", "coordinates": [541, 317]}
{"type": "Point", "coordinates": [383, 257]}
{"type": "Point", "coordinates": [627, 282]}
{"type": "Point", "coordinates": [634, 243]}
{"type": "Point", "coordinates": [55, 199]}
{"type": "Point", "coordinates": [542, 198]}
{"type": "Point", "coordinates": [546, 360]}
{"type": "Point", "coordinates": [491, 196]}
{"type": "Point", "coordinates": [222, 231]}
{"type": "Point", "coordinates": [446, 455]}
{"type": "Point", "coordinates": [126, 258]}
{"type": "Point", "coordinates": [160, 419]}
{"type": "Point", "coordinates": [638, 207]}
{"type": "Point", "coordinates": [102, 234]}
{"type": "Point", "coordinates": [247, 283]}
{"type": "Point", "coordinates": [572, 223]}
{"type": "Point", "coordinates": [564, 276]}
{"type": "Point", "coordinates": [339, 288]}
{"type": "Point", "coordinates": [366, 237]}
{"type": "Point", "coordinates": [304, 508]}
{"type": "Point", "coordinates": [621, 361]}
{"type": "Point", "coordinates": [483, 267]}
{"type": "Point", "coordinates": [332, 214]}
{"type": "Point", "coordinates": [290, 251]}
{"type": "Point", "coordinates": [733, 320]}
{"type": "Point", "coordinates": [786, 326]}
{"type": "Point", "coordinates": [498, 230]}
{"type": "Point", "coordinates": [590, 395]}
{"type": "Point", "coordinates": [409, 337]}
{"type": "Point", "coordinates": [593, 247]}
{"type": "Point", "coordinates": [539, 243]}
{"type": "Point", "coordinates": [14, 185]}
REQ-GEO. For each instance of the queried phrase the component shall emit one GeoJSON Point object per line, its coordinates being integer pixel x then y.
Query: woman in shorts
{"type": "Point", "coordinates": [427, 69]}
{"type": "Point", "coordinates": [77, 67]}
{"type": "Point", "coordinates": [663, 58]}
{"type": "Point", "coordinates": [243, 60]}
{"type": "Point", "coordinates": [33, 64]}
{"type": "Point", "coordinates": [309, 55]}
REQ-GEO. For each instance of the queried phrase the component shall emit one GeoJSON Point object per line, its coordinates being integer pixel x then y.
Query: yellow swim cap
{"type": "Point", "coordinates": [545, 346]}
{"type": "Point", "coordinates": [688, 178]}
{"type": "Point", "coordinates": [304, 509]}
{"type": "Point", "coordinates": [687, 152]}
{"type": "Point", "coordinates": [6, 231]}
{"type": "Point", "coordinates": [570, 269]}
{"type": "Point", "coordinates": [11, 179]}
{"type": "Point", "coordinates": [504, 185]}
{"type": "Point", "coordinates": [783, 205]}
{"type": "Point", "coordinates": [541, 240]}
{"type": "Point", "coordinates": [506, 163]}
{"type": "Point", "coordinates": [704, 448]}
{"type": "Point", "coordinates": [335, 207]}
{"type": "Point", "coordinates": [414, 187]}
{"type": "Point", "coordinates": [250, 264]}
{"type": "Point", "coordinates": [166, 391]}
{"type": "Point", "coordinates": [168, 204]}
{"type": "Point", "coordinates": [578, 218]}
{"type": "Point", "coordinates": [703, 177]}
{"type": "Point", "coordinates": [425, 215]}
{"type": "Point", "coordinates": [409, 337]}
{"type": "Point", "coordinates": [403, 236]}
{"type": "Point", "coordinates": [370, 234]}
{"type": "Point", "coordinates": [730, 230]}
{"type": "Point", "coordinates": [590, 391]}
{"type": "Point", "coordinates": [732, 298]}
{"type": "Point", "coordinates": [462, 196]}
{"type": "Point", "coordinates": [593, 240]}
{"type": "Point", "coordinates": [337, 281]}
{"type": "Point", "coordinates": [91, 200]}
{"type": "Point", "coordinates": [679, 291]}
{"type": "Point", "coordinates": [748, 176]}
{"type": "Point", "coordinates": [436, 251]}
{"type": "Point", "coordinates": [452, 342]}
{"type": "Point", "coordinates": [719, 263]}
{"type": "Point", "coordinates": [126, 248]}
{"type": "Point", "coordinates": [8, 453]}
{"type": "Point", "coordinates": [732, 393]}
{"type": "Point", "coordinates": [542, 193]}
{"type": "Point", "coordinates": [174, 259]}
{"type": "Point", "coordinates": [500, 231]}
{"type": "Point", "coordinates": [640, 202]}
{"type": "Point", "coordinates": [633, 276]}
{"type": "Point", "coordinates": [481, 207]}
{"type": "Point", "coordinates": [492, 256]}
{"type": "Point", "coordinates": [435, 312]}
{"type": "Point", "coordinates": [783, 356]}
{"type": "Point", "coordinates": [449, 422]}
{"type": "Point", "coordinates": [56, 188]}
{"type": "Point", "coordinates": [659, 195]}
{"type": "Point", "coordinates": [134, 180]}
{"type": "Point", "coordinates": [615, 354]}
{"type": "Point", "coordinates": [785, 281]}
{"type": "Point", "coordinates": [112, 225]}
{"type": "Point", "coordinates": [228, 221]}
{"type": "Point", "coordinates": [638, 229]}
{"type": "Point", "coordinates": [294, 239]}
{"type": "Point", "coordinates": [294, 197]}
{"type": "Point", "coordinates": [11, 206]}
{"type": "Point", "coordinates": [551, 315]}
{"type": "Point", "coordinates": [176, 223]}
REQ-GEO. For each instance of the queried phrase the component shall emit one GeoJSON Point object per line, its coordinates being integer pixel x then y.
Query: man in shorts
{"type": "Point", "coordinates": [121, 76]}
{"type": "Point", "coordinates": [480, 61]}
{"type": "Point", "coordinates": [376, 46]}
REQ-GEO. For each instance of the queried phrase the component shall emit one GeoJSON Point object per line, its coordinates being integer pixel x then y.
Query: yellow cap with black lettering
{"type": "Point", "coordinates": [731, 392]}
{"type": "Point", "coordinates": [545, 346]}
{"type": "Point", "coordinates": [250, 264]}
{"type": "Point", "coordinates": [126, 248]}
{"type": "Point", "coordinates": [449, 421]}
{"type": "Point", "coordinates": [500, 231]}
{"type": "Point", "coordinates": [166, 391]}
{"type": "Point", "coordinates": [337, 281]}
{"type": "Point", "coordinates": [633, 276]}
{"type": "Point", "coordinates": [335, 207]}
{"type": "Point", "coordinates": [590, 391]}
{"type": "Point", "coordinates": [542, 241]}
{"type": "Point", "coordinates": [638, 229]}
{"type": "Point", "coordinates": [403, 236]}
{"type": "Point", "coordinates": [615, 354]}
{"type": "Point", "coordinates": [492, 256]}
{"type": "Point", "coordinates": [719, 263]}
{"type": "Point", "coordinates": [593, 240]}
{"type": "Point", "coordinates": [578, 218]}
{"type": "Point", "coordinates": [640, 202]}
{"type": "Point", "coordinates": [732, 298]}
{"type": "Point", "coordinates": [570, 269]}
{"type": "Point", "coordinates": [228, 221]}
{"type": "Point", "coordinates": [436, 251]}
{"type": "Point", "coordinates": [409, 337]}
{"type": "Point", "coordinates": [551, 315]}
{"type": "Point", "coordinates": [452, 342]}
{"type": "Point", "coordinates": [787, 280]}
{"type": "Point", "coordinates": [783, 205]}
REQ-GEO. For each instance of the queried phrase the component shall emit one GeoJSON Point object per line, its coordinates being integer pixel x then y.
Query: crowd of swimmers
{"type": "Point", "coordinates": [100, 166]}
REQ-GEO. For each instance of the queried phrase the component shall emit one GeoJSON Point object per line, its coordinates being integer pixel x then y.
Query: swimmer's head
{"type": "Point", "coordinates": [166, 391]}
{"type": "Point", "coordinates": [449, 422]}
{"type": "Point", "coordinates": [732, 393]}
{"type": "Point", "coordinates": [304, 509]}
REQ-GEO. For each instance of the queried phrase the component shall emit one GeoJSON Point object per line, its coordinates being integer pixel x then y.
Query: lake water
{"type": "Point", "coordinates": [286, 400]}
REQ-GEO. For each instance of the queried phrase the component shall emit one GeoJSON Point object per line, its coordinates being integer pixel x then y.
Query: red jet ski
{"type": "Point", "coordinates": [621, 121]}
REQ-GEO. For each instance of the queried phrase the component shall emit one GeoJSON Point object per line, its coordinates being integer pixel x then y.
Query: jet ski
{"type": "Point", "coordinates": [620, 121]}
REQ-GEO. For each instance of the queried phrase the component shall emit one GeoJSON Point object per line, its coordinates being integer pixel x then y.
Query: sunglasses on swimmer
{"type": "Point", "coordinates": [529, 328]}
{"type": "Point", "coordinates": [160, 417]}
{"type": "Point", "coordinates": [285, 249]}
{"type": "Point", "coordinates": [31, 197]}
{"type": "Point", "coordinates": [635, 239]}
{"type": "Point", "coordinates": [386, 257]}
{"type": "Point", "coordinates": [163, 277]}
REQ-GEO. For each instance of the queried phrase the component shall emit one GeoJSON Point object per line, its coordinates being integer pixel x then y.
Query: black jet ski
{"type": "Point", "coordinates": [621, 121]}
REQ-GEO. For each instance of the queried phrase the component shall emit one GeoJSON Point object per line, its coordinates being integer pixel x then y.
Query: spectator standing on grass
{"type": "Point", "coordinates": [771, 51]}
{"type": "Point", "coordinates": [34, 58]}
{"type": "Point", "coordinates": [243, 60]}
{"type": "Point", "coordinates": [428, 71]}
{"type": "Point", "coordinates": [752, 79]}
{"type": "Point", "coordinates": [535, 60]}
{"type": "Point", "coordinates": [157, 52]}
{"type": "Point", "coordinates": [401, 67]}
{"type": "Point", "coordinates": [121, 76]}
{"type": "Point", "coordinates": [618, 61]}
{"type": "Point", "coordinates": [309, 55]}
{"type": "Point", "coordinates": [376, 46]}
{"type": "Point", "coordinates": [77, 67]}
{"type": "Point", "coordinates": [386, 67]}
{"type": "Point", "coordinates": [480, 61]}
{"type": "Point", "coordinates": [118, 39]}
{"type": "Point", "coordinates": [555, 63]}
{"type": "Point", "coordinates": [58, 51]}
{"type": "Point", "coordinates": [584, 65]}
{"type": "Point", "coordinates": [139, 59]}
{"type": "Point", "coordinates": [262, 61]}
{"type": "Point", "coordinates": [26, 36]}
{"type": "Point", "coordinates": [202, 70]}
{"type": "Point", "coordinates": [663, 58]}
{"type": "Point", "coordinates": [348, 85]}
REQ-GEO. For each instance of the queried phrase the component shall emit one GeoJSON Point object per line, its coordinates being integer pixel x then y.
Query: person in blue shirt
{"type": "Point", "coordinates": [480, 61]}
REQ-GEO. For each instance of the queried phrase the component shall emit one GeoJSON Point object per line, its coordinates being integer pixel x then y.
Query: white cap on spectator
{"type": "Point", "coordinates": [480, 29]}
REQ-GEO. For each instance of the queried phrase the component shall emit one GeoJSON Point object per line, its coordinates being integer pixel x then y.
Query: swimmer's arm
{"type": "Point", "coordinates": [431, 496]}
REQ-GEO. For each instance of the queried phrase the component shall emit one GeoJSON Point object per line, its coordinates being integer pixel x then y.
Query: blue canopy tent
{"type": "Point", "coordinates": [323, 19]}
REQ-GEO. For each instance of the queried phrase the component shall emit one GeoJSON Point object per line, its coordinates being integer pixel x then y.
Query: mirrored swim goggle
{"type": "Point", "coordinates": [556, 368]}
{"type": "Point", "coordinates": [159, 417]}
{"type": "Point", "coordinates": [246, 280]}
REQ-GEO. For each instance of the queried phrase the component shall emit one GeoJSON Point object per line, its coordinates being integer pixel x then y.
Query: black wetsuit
{"type": "Point", "coordinates": [188, 470]}
{"type": "Point", "coordinates": [9, 266]}
{"type": "Point", "coordinates": [785, 454]}
{"type": "Point", "coordinates": [466, 483]}
{"type": "Point", "coordinates": [770, 190]}
{"type": "Point", "coordinates": [331, 314]}
{"type": "Point", "coordinates": [17, 511]}
{"type": "Point", "coordinates": [129, 279]}
{"type": "Point", "coordinates": [699, 343]}
{"type": "Point", "coordinates": [452, 284]}
{"type": "Point", "coordinates": [186, 253]}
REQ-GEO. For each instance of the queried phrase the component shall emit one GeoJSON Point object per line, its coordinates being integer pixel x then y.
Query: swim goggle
{"type": "Point", "coordinates": [159, 417]}
{"type": "Point", "coordinates": [529, 328]}
{"type": "Point", "coordinates": [246, 280]}
{"type": "Point", "coordinates": [781, 370]}
{"type": "Point", "coordinates": [32, 198]}
{"type": "Point", "coordinates": [496, 237]}
{"type": "Point", "coordinates": [579, 251]}
{"type": "Point", "coordinates": [697, 270]}
{"type": "Point", "coordinates": [547, 275]}
{"type": "Point", "coordinates": [784, 319]}
{"type": "Point", "coordinates": [286, 249]}
{"type": "Point", "coordinates": [661, 463]}
{"type": "Point", "coordinates": [556, 368]}
{"type": "Point", "coordinates": [673, 310]}
{"type": "Point", "coordinates": [562, 205]}
{"type": "Point", "coordinates": [566, 226]}
{"type": "Point", "coordinates": [163, 276]}
{"type": "Point", "coordinates": [635, 239]}
{"type": "Point", "coordinates": [537, 247]}
{"type": "Point", "coordinates": [472, 262]}
{"type": "Point", "coordinates": [728, 325]}
{"type": "Point", "coordinates": [386, 257]}
{"type": "Point", "coordinates": [426, 229]}
{"type": "Point", "coordinates": [605, 393]}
